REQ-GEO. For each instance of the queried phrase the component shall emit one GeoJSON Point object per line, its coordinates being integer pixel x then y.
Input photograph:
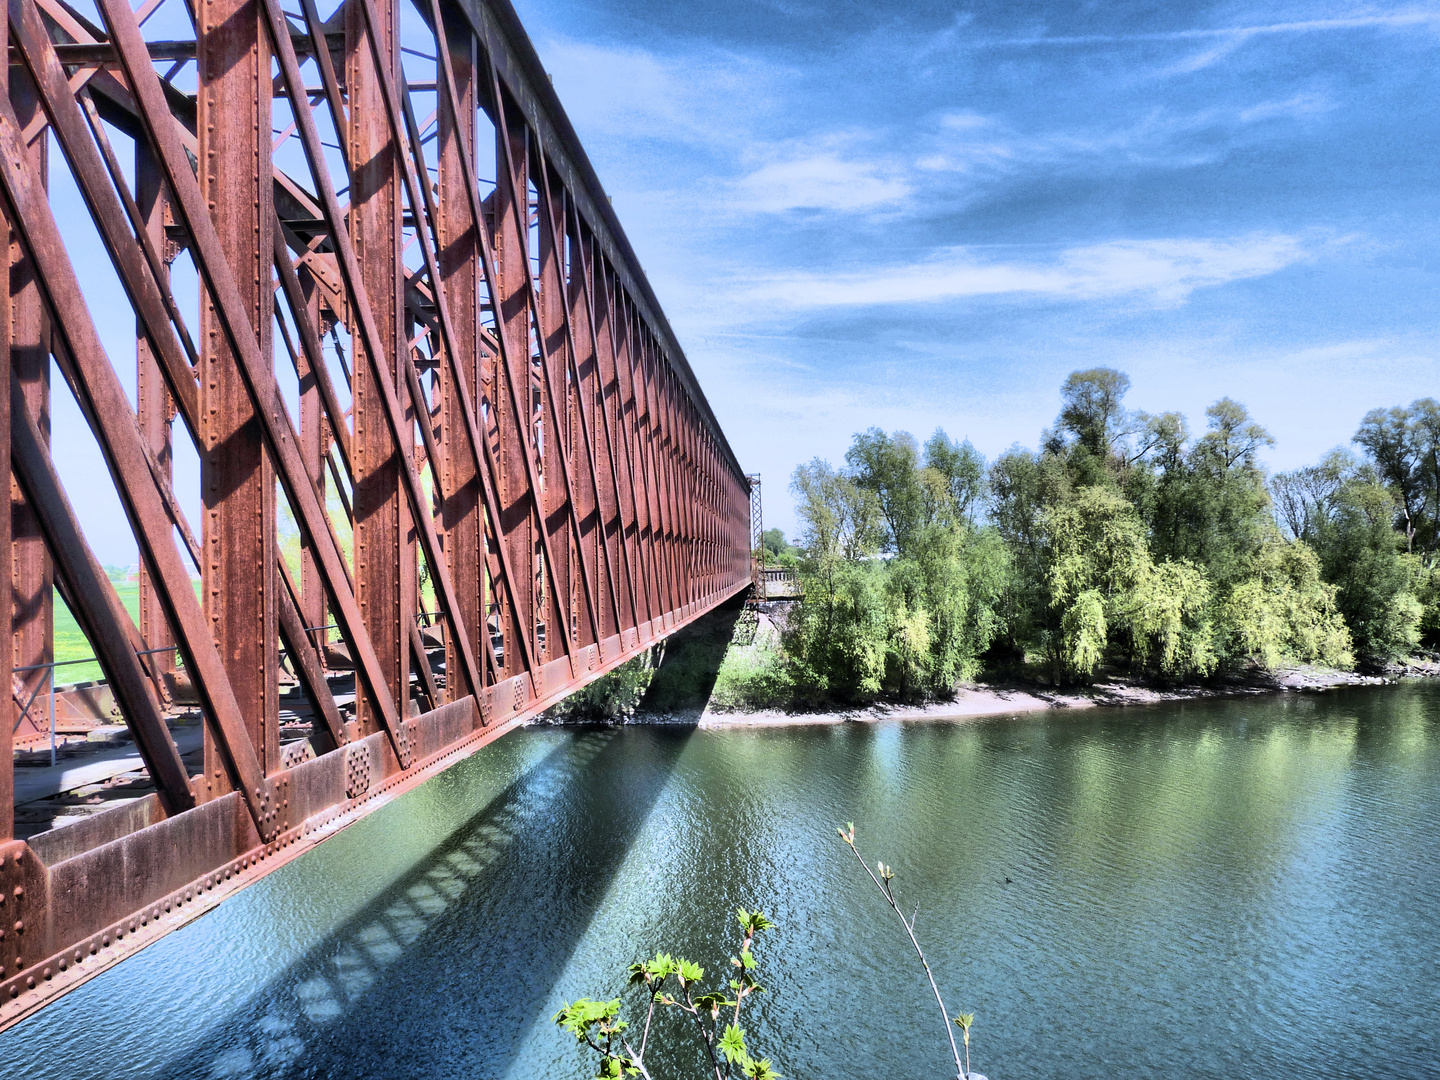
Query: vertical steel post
{"type": "Point", "coordinates": [757, 538]}
{"type": "Point", "coordinates": [463, 515]}
{"type": "Point", "coordinates": [548, 376]}
{"type": "Point", "coordinates": [384, 544]}
{"type": "Point", "coordinates": [154, 406]}
{"type": "Point", "coordinates": [7, 697]}
{"type": "Point", "coordinates": [512, 316]}
{"type": "Point", "coordinates": [237, 479]}
{"type": "Point", "coordinates": [31, 576]}
{"type": "Point", "coordinates": [314, 447]}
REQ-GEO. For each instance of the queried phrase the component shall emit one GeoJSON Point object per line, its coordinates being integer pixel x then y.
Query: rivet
{"type": "Point", "coordinates": [79, 956]}
{"type": "Point", "coordinates": [46, 973]}
{"type": "Point", "coordinates": [30, 982]}
{"type": "Point", "coordinates": [19, 892]}
{"type": "Point", "coordinates": [20, 926]}
{"type": "Point", "coordinates": [14, 990]}
{"type": "Point", "coordinates": [105, 941]}
{"type": "Point", "coordinates": [62, 964]}
{"type": "Point", "coordinates": [95, 948]}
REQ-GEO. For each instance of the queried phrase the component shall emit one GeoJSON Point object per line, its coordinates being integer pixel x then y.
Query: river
{"type": "Point", "coordinates": [1218, 889]}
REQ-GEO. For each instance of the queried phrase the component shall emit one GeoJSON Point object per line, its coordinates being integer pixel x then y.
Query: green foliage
{"type": "Point", "coordinates": [910, 626]}
{"type": "Point", "coordinates": [1121, 543]}
{"type": "Point", "coordinates": [779, 551]}
{"type": "Point", "coordinates": [1360, 553]}
{"type": "Point", "coordinates": [612, 697]}
{"type": "Point", "coordinates": [1095, 558]}
{"type": "Point", "coordinates": [1285, 611]}
{"type": "Point", "coordinates": [1169, 614]}
{"type": "Point", "coordinates": [754, 673]}
{"type": "Point", "coordinates": [714, 1015]}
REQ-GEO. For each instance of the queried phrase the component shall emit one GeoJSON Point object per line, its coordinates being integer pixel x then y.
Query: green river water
{"type": "Point", "coordinates": [1220, 889]}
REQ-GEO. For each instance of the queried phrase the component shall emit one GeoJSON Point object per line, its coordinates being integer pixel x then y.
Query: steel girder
{"type": "Point", "coordinates": [422, 338]}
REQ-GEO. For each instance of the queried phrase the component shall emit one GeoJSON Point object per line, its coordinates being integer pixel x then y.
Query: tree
{"type": "Point", "coordinates": [1096, 555]}
{"type": "Point", "coordinates": [1425, 435]}
{"type": "Point", "coordinates": [1285, 611]}
{"type": "Point", "coordinates": [1091, 409]}
{"type": "Point", "coordinates": [778, 550]}
{"type": "Point", "coordinates": [962, 469]}
{"type": "Point", "coordinates": [1215, 510]}
{"type": "Point", "coordinates": [1387, 437]}
{"type": "Point", "coordinates": [1360, 554]}
{"type": "Point", "coordinates": [1169, 620]}
{"type": "Point", "coordinates": [835, 640]}
{"type": "Point", "coordinates": [887, 467]}
{"type": "Point", "coordinates": [1306, 497]}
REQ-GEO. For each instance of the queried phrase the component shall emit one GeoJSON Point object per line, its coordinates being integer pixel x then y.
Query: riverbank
{"type": "Point", "coordinates": [726, 670]}
{"type": "Point", "coordinates": [980, 700]}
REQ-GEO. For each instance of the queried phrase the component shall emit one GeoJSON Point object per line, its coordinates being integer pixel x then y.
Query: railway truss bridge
{"type": "Point", "coordinates": [346, 285]}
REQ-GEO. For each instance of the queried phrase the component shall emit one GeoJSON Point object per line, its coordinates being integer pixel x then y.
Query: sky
{"type": "Point", "coordinates": [920, 215]}
{"type": "Point", "coordinates": [916, 215]}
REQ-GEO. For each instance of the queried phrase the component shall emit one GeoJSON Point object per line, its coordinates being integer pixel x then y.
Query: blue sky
{"type": "Point", "coordinates": [920, 215]}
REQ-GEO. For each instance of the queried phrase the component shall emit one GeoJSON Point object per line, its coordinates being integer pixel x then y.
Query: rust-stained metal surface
{"type": "Point", "coordinates": [374, 282]}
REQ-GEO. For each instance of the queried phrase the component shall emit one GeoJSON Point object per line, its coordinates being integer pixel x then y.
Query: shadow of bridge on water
{"type": "Point", "coordinates": [445, 973]}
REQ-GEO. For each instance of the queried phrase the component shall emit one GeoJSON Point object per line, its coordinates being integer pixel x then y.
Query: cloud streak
{"type": "Point", "coordinates": [1399, 21]}
{"type": "Point", "coordinates": [1165, 270]}
{"type": "Point", "coordinates": [825, 174]}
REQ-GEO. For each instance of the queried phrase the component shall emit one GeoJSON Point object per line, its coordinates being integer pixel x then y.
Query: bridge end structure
{"type": "Point", "coordinates": [453, 463]}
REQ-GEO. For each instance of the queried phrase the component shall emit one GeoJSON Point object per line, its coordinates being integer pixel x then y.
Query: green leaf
{"type": "Point", "coordinates": [760, 1070]}
{"type": "Point", "coordinates": [578, 1018]}
{"type": "Point", "coordinates": [690, 972]}
{"type": "Point", "coordinates": [752, 922]}
{"type": "Point", "coordinates": [732, 1043]}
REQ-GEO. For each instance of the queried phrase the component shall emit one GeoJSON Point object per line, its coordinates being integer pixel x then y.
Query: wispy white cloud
{"type": "Point", "coordinates": [966, 142]}
{"type": "Point", "coordinates": [1402, 20]}
{"type": "Point", "coordinates": [703, 96]}
{"type": "Point", "coordinates": [830, 173]}
{"type": "Point", "coordinates": [1165, 270]}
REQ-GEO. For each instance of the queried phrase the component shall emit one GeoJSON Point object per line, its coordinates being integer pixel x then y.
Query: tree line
{"type": "Point", "coordinates": [1124, 542]}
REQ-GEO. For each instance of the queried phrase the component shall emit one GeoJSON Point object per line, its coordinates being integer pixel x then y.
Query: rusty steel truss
{"type": "Point", "coordinates": [373, 276]}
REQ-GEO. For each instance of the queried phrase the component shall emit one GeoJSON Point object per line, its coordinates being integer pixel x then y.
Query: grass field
{"type": "Point", "coordinates": [70, 643]}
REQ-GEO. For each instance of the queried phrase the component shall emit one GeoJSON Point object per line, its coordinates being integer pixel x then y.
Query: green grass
{"type": "Point", "coordinates": [71, 643]}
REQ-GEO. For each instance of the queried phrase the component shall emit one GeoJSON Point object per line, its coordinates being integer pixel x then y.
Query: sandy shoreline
{"type": "Point", "coordinates": [977, 701]}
